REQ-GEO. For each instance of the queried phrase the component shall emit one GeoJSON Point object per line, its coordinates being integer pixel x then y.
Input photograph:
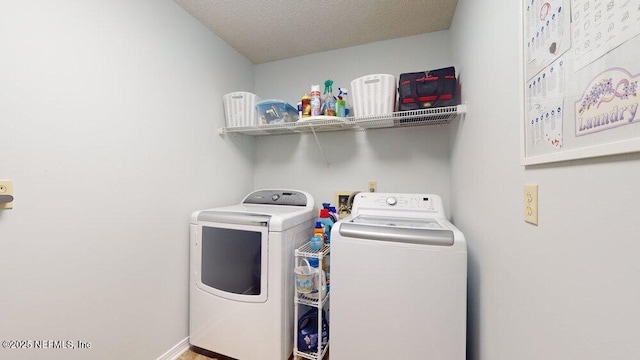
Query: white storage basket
{"type": "Point", "coordinates": [240, 109]}
{"type": "Point", "coordinates": [374, 95]}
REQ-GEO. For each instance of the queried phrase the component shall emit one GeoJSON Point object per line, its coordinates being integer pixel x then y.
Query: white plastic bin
{"type": "Point", "coordinates": [374, 95]}
{"type": "Point", "coordinates": [240, 109]}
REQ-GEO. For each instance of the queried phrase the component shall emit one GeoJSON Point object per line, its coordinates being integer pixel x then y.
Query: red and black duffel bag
{"type": "Point", "coordinates": [422, 90]}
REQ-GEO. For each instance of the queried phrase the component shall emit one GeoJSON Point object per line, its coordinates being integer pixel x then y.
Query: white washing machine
{"type": "Point", "coordinates": [241, 274]}
{"type": "Point", "coordinates": [398, 281]}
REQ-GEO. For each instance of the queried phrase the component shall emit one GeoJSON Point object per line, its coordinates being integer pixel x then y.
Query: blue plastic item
{"type": "Point", "coordinates": [314, 262]}
{"type": "Point", "coordinates": [327, 222]}
{"type": "Point", "coordinates": [316, 243]}
{"type": "Point", "coordinates": [308, 330]}
{"type": "Point", "coordinates": [333, 214]}
{"type": "Point", "coordinates": [276, 111]}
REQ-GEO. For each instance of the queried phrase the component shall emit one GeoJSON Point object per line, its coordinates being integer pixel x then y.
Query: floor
{"type": "Point", "coordinates": [195, 353]}
{"type": "Point", "coordinates": [201, 354]}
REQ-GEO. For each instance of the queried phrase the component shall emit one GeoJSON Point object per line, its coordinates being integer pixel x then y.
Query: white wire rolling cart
{"type": "Point", "coordinates": [318, 302]}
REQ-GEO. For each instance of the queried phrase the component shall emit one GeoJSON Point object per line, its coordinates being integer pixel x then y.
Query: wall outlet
{"type": "Point", "coordinates": [373, 186]}
{"type": "Point", "coordinates": [6, 192]}
{"type": "Point", "coordinates": [531, 203]}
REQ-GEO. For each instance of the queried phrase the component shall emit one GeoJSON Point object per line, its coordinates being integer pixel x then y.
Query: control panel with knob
{"type": "Point", "coordinates": [410, 202]}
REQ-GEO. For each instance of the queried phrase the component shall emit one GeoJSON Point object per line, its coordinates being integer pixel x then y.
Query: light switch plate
{"type": "Point", "coordinates": [6, 188]}
{"type": "Point", "coordinates": [531, 203]}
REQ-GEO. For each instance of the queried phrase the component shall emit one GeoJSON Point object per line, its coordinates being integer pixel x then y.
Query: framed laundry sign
{"type": "Point", "coordinates": [581, 69]}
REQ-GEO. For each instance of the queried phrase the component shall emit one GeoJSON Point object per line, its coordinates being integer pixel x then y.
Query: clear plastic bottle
{"type": "Point", "coordinates": [329, 105]}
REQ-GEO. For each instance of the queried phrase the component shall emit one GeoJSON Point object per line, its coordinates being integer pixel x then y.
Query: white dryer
{"type": "Point", "coordinates": [241, 274]}
{"type": "Point", "coordinates": [398, 281]}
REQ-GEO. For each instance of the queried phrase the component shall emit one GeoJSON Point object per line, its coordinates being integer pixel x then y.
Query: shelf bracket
{"type": "Point", "coordinates": [319, 145]}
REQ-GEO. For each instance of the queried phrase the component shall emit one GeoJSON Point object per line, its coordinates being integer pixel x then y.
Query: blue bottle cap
{"type": "Point", "coordinates": [314, 262]}
{"type": "Point", "coordinates": [318, 224]}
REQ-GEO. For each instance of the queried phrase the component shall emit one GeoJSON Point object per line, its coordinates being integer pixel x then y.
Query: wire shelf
{"type": "Point", "coordinates": [303, 299]}
{"type": "Point", "coordinates": [312, 355]}
{"type": "Point", "coordinates": [422, 117]}
{"type": "Point", "coordinates": [305, 250]}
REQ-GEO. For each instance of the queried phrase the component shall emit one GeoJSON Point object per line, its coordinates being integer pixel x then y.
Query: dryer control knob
{"type": "Point", "coordinates": [275, 197]}
{"type": "Point", "coordinates": [392, 201]}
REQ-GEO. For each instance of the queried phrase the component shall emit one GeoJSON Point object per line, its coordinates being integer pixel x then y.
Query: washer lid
{"type": "Point", "coordinates": [424, 223]}
{"type": "Point", "coordinates": [425, 231]}
{"type": "Point", "coordinates": [240, 218]}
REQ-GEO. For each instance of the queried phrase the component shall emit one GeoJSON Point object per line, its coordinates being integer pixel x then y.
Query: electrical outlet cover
{"type": "Point", "coordinates": [531, 203]}
{"type": "Point", "coordinates": [372, 186]}
{"type": "Point", "coordinates": [6, 188]}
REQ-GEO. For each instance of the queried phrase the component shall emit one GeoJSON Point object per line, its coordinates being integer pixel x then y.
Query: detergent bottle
{"type": "Point", "coordinates": [326, 221]}
{"type": "Point", "coordinates": [333, 214]}
{"type": "Point", "coordinates": [318, 230]}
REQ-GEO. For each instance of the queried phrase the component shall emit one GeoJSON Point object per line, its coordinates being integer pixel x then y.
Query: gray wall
{"type": "Point", "coordinates": [568, 288]}
{"type": "Point", "coordinates": [401, 160]}
{"type": "Point", "coordinates": [108, 116]}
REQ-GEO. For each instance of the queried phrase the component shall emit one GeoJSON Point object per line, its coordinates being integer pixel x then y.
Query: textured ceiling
{"type": "Point", "coordinates": [272, 30]}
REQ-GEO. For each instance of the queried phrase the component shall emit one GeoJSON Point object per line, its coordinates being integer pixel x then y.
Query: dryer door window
{"type": "Point", "coordinates": [232, 261]}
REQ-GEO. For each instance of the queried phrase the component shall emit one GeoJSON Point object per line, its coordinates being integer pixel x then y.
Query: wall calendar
{"type": "Point", "coordinates": [581, 70]}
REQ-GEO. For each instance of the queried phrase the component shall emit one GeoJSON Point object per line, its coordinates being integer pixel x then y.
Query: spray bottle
{"type": "Point", "coordinates": [329, 106]}
{"type": "Point", "coordinates": [341, 104]}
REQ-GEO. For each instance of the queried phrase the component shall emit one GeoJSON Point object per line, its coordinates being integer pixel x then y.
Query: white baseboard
{"type": "Point", "coordinates": [176, 351]}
